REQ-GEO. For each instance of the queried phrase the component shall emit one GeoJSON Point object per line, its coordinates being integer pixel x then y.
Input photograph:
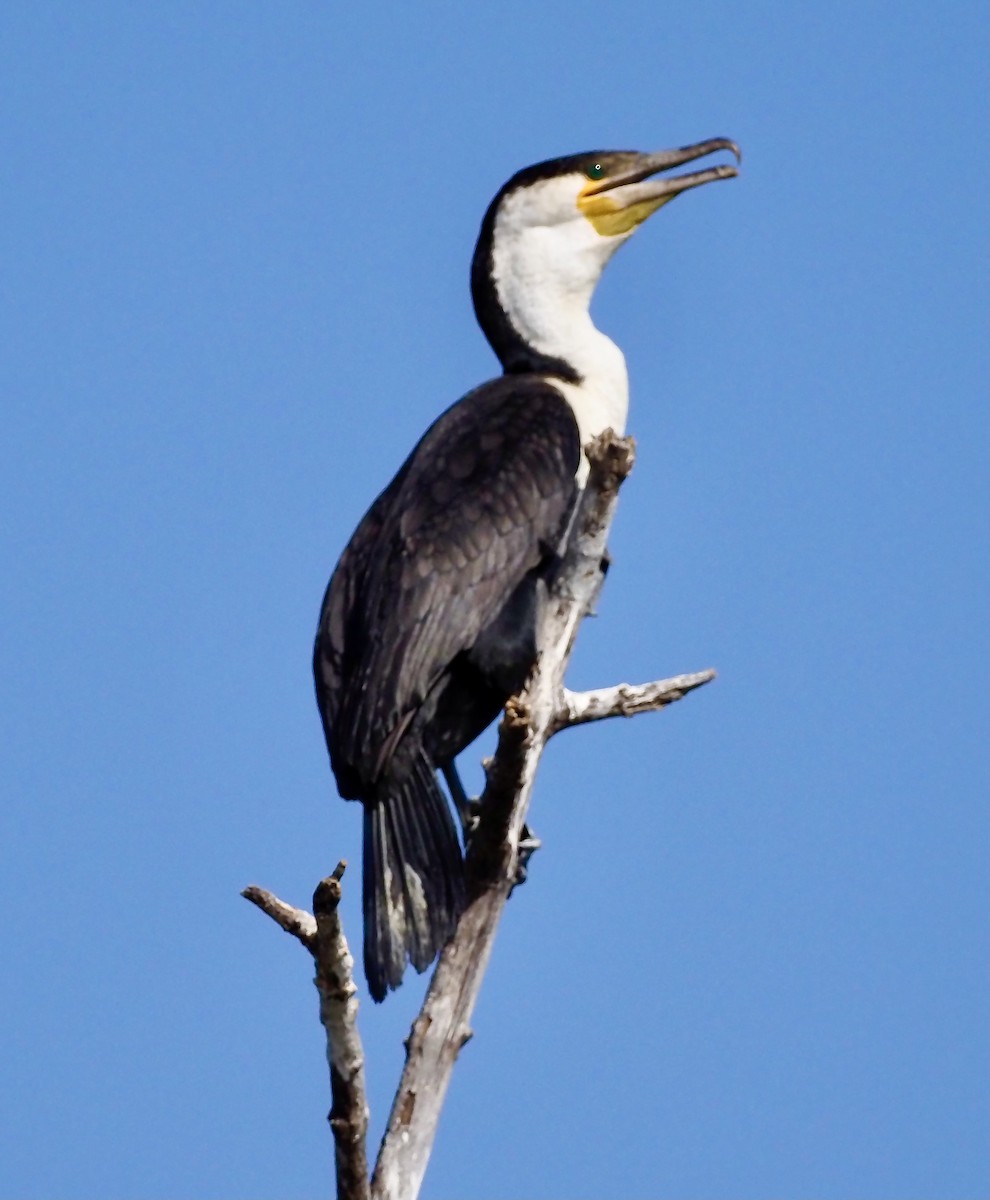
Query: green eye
{"type": "Point", "coordinates": [596, 171]}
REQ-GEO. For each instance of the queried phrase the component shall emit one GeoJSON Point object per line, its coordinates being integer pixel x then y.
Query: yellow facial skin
{"type": "Point", "coordinates": [612, 219]}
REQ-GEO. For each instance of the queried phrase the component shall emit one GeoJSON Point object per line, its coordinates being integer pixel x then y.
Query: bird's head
{"type": "Point", "coordinates": [551, 229]}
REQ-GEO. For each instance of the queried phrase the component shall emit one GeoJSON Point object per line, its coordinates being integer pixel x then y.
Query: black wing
{"type": "Point", "coordinates": [482, 501]}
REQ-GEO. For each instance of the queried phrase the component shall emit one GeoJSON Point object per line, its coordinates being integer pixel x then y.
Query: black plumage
{"type": "Point", "coordinates": [427, 628]}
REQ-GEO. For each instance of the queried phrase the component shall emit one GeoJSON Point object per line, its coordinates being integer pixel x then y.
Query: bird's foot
{"type": "Point", "coordinates": [469, 810]}
{"type": "Point", "coordinates": [529, 843]}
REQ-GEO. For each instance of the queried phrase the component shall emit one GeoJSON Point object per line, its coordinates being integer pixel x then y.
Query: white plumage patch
{"type": "Point", "coordinates": [547, 258]}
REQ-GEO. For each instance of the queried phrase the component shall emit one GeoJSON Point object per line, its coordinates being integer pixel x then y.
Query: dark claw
{"type": "Point", "coordinates": [470, 814]}
{"type": "Point", "coordinates": [529, 843]}
{"type": "Point", "coordinates": [468, 809]}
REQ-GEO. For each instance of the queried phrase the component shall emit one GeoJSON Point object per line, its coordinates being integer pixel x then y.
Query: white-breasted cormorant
{"type": "Point", "coordinates": [428, 623]}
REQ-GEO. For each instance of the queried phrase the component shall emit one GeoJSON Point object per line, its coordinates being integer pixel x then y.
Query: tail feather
{"type": "Point", "coordinates": [413, 878]}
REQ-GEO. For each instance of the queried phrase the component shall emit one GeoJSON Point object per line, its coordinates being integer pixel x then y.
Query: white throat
{"type": "Point", "coordinates": [545, 276]}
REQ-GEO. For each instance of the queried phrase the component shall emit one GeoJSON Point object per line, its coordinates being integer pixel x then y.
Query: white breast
{"type": "Point", "coordinates": [600, 401]}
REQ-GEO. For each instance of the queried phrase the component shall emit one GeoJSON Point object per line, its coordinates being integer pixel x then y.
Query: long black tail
{"type": "Point", "coordinates": [413, 878]}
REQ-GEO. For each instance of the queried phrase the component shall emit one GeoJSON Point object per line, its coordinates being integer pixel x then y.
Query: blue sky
{"type": "Point", "coordinates": [750, 959]}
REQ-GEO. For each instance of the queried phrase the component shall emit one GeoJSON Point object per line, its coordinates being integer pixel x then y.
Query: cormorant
{"type": "Point", "coordinates": [428, 623]}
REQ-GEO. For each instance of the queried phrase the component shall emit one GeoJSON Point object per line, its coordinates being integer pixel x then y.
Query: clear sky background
{"type": "Point", "coordinates": [750, 959]}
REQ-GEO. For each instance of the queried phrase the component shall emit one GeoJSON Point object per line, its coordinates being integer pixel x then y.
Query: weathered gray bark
{"type": "Point", "coordinates": [543, 708]}
{"type": "Point", "coordinates": [323, 937]}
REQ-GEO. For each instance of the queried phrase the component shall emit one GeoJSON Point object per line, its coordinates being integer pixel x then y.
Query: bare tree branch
{"type": "Point", "coordinates": [624, 700]}
{"type": "Point", "coordinates": [443, 1025]}
{"type": "Point", "coordinates": [345, 1054]}
{"type": "Point", "coordinates": [323, 937]}
{"type": "Point", "coordinates": [296, 921]}
{"type": "Point", "coordinates": [494, 859]}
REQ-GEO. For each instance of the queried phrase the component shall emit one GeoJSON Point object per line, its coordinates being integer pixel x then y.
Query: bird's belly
{"type": "Point", "coordinates": [480, 680]}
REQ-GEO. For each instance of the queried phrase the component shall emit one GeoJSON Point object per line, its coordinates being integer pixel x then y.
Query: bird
{"type": "Point", "coordinates": [428, 624]}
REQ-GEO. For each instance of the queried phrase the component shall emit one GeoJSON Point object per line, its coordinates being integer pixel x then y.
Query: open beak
{"type": "Point", "coordinates": [621, 201]}
{"type": "Point", "coordinates": [663, 160]}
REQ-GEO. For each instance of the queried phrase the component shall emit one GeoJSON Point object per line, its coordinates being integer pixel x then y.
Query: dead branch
{"type": "Point", "coordinates": [296, 921]}
{"type": "Point", "coordinates": [345, 1054]}
{"type": "Point", "coordinates": [323, 936]}
{"type": "Point", "coordinates": [543, 708]}
{"type": "Point", "coordinates": [624, 700]}
{"type": "Point", "coordinates": [443, 1025]}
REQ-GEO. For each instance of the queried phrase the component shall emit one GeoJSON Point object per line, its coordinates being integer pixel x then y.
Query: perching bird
{"type": "Point", "coordinates": [428, 623]}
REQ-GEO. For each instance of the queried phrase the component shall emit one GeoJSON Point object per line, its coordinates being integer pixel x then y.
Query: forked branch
{"type": "Point", "coordinates": [323, 937]}
{"type": "Point", "coordinates": [531, 718]}
{"type": "Point", "coordinates": [543, 708]}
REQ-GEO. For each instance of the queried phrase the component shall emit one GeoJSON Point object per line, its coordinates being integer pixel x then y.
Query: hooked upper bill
{"type": "Point", "coordinates": [625, 194]}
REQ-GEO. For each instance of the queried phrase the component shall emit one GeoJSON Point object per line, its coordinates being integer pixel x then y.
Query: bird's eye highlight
{"type": "Point", "coordinates": [596, 171]}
